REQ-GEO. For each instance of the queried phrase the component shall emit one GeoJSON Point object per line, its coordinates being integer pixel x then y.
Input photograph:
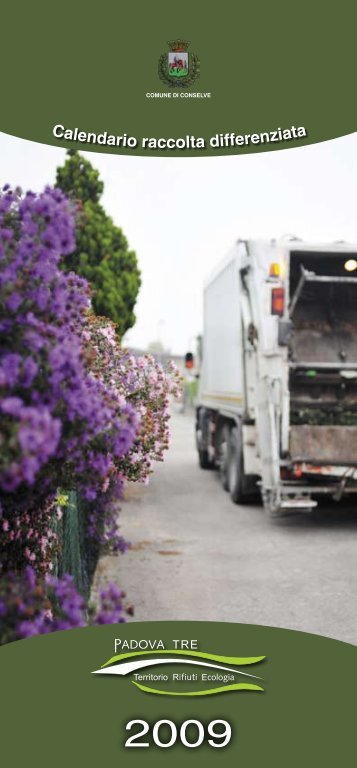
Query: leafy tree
{"type": "Point", "coordinates": [157, 348]}
{"type": "Point", "coordinates": [102, 254]}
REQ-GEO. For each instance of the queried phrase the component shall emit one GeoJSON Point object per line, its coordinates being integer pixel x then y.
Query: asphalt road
{"type": "Point", "coordinates": [196, 555]}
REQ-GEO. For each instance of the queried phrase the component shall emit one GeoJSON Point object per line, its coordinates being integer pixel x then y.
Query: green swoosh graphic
{"type": "Point", "coordinates": [240, 660]}
{"type": "Point", "coordinates": [208, 692]}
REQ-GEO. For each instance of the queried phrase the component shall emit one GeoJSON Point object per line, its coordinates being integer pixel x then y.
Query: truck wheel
{"type": "Point", "coordinates": [236, 478]}
{"type": "Point", "coordinates": [204, 460]}
{"type": "Point", "coordinates": [223, 463]}
{"type": "Point", "coordinates": [202, 439]}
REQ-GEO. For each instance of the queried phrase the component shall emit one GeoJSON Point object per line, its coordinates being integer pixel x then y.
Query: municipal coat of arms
{"type": "Point", "coordinates": [179, 68]}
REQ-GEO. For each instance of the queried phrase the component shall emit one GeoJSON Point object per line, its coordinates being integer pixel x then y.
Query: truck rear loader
{"type": "Point", "coordinates": [277, 402]}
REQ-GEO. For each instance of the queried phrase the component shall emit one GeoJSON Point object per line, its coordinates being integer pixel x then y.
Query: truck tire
{"type": "Point", "coordinates": [204, 459]}
{"type": "Point", "coordinates": [223, 463]}
{"type": "Point", "coordinates": [202, 439]}
{"type": "Point", "coordinates": [237, 481]}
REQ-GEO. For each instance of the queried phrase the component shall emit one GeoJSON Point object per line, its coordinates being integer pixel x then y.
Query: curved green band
{"type": "Point", "coordinates": [209, 692]}
{"type": "Point", "coordinates": [240, 660]}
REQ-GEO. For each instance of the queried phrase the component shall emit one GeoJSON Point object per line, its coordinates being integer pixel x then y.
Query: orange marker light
{"type": "Point", "coordinates": [278, 301]}
{"type": "Point", "coordinates": [274, 270]}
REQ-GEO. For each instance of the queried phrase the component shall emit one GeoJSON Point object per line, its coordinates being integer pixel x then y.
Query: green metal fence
{"type": "Point", "coordinates": [77, 553]}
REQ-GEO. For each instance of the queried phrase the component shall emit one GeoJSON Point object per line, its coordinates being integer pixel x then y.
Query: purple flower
{"type": "Point", "coordinates": [111, 608]}
{"type": "Point", "coordinates": [10, 364]}
{"type": "Point", "coordinates": [14, 301]}
{"type": "Point", "coordinates": [11, 405]}
{"type": "Point", "coordinates": [29, 371]}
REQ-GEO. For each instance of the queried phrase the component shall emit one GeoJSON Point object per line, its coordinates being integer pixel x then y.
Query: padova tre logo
{"type": "Point", "coordinates": [185, 673]}
{"type": "Point", "coordinates": [179, 67]}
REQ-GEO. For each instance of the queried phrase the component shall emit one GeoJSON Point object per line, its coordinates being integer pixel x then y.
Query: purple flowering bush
{"type": "Point", "coordinates": [55, 415]}
{"type": "Point", "coordinates": [143, 383]}
{"type": "Point", "coordinates": [77, 413]}
{"type": "Point", "coordinates": [28, 536]}
{"type": "Point", "coordinates": [30, 606]}
{"type": "Point", "coordinates": [60, 426]}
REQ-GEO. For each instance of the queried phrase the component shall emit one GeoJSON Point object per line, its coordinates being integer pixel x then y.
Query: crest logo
{"type": "Point", "coordinates": [178, 68]}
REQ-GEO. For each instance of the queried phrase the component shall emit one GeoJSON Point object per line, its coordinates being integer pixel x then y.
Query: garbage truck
{"type": "Point", "coordinates": [276, 410]}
